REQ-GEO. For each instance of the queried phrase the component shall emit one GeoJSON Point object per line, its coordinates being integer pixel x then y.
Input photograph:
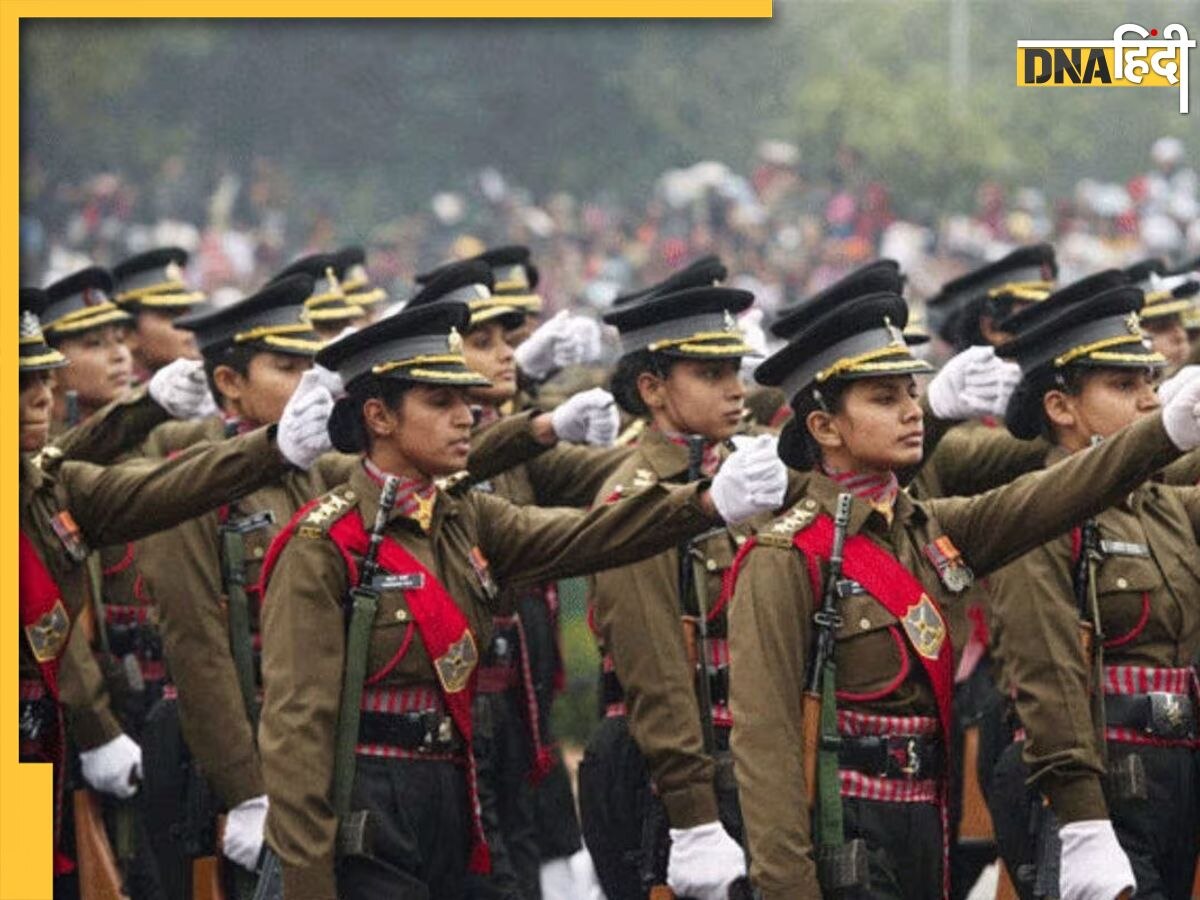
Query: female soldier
{"type": "Point", "coordinates": [67, 507]}
{"type": "Point", "coordinates": [1080, 382]}
{"type": "Point", "coordinates": [680, 369]}
{"type": "Point", "coordinates": [442, 559]}
{"type": "Point", "coordinates": [895, 614]}
{"type": "Point", "coordinates": [82, 323]}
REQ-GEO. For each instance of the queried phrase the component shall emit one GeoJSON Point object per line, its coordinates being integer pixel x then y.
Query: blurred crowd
{"type": "Point", "coordinates": [786, 225]}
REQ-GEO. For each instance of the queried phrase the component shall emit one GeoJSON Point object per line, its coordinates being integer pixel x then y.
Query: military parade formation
{"type": "Point", "coordinates": [290, 572]}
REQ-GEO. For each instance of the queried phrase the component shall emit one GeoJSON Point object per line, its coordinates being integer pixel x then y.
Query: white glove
{"type": "Point", "coordinates": [973, 384]}
{"type": "Point", "coordinates": [182, 390]}
{"type": "Point", "coordinates": [304, 427]}
{"type": "Point", "coordinates": [555, 344]}
{"type": "Point", "coordinates": [1093, 865]}
{"type": "Point", "coordinates": [704, 861]}
{"type": "Point", "coordinates": [1171, 386]}
{"type": "Point", "coordinates": [244, 826]}
{"type": "Point", "coordinates": [1181, 414]}
{"type": "Point", "coordinates": [589, 417]}
{"type": "Point", "coordinates": [752, 480]}
{"type": "Point", "coordinates": [114, 768]}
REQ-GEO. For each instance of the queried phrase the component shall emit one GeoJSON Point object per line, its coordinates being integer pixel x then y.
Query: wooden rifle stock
{"type": "Point", "coordinates": [99, 876]}
{"type": "Point", "coordinates": [811, 714]}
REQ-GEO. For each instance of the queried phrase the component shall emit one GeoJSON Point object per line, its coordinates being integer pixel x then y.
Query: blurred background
{"type": "Point", "coordinates": [796, 148]}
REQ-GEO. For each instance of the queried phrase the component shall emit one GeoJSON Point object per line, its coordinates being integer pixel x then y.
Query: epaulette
{"type": "Point", "coordinates": [48, 458]}
{"type": "Point", "coordinates": [326, 511]}
{"type": "Point", "coordinates": [781, 531]}
{"type": "Point", "coordinates": [456, 484]}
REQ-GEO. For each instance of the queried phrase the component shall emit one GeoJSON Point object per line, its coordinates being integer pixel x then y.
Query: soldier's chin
{"type": "Point", "coordinates": [34, 437]}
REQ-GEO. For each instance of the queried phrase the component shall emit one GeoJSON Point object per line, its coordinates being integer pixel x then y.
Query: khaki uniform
{"type": "Point", "coordinates": [771, 629]}
{"type": "Point", "coordinates": [1146, 586]}
{"type": "Point", "coordinates": [120, 503]}
{"type": "Point", "coordinates": [110, 432]}
{"type": "Point", "coordinates": [304, 637]}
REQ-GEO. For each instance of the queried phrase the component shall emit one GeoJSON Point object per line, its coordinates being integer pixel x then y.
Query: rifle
{"type": "Point", "coordinates": [841, 864]}
{"type": "Point", "coordinates": [99, 877]}
{"type": "Point", "coordinates": [354, 828]}
{"type": "Point", "coordinates": [72, 408]}
{"type": "Point", "coordinates": [233, 574]}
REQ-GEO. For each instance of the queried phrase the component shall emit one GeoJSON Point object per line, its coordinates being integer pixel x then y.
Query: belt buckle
{"type": "Point", "coordinates": [1169, 715]}
{"type": "Point", "coordinates": [913, 769]}
{"type": "Point", "coordinates": [904, 759]}
{"type": "Point", "coordinates": [31, 722]}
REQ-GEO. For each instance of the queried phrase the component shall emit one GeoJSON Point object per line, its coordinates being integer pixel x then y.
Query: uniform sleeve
{"type": "Point", "coordinates": [1184, 472]}
{"type": "Point", "coordinates": [769, 636]}
{"type": "Point", "coordinates": [573, 474]}
{"type": "Point", "coordinates": [1033, 598]}
{"type": "Point", "coordinates": [84, 695]}
{"type": "Point", "coordinates": [182, 571]}
{"type": "Point", "coordinates": [119, 427]}
{"type": "Point", "coordinates": [637, 609]}
{"type": "Point", "coordinates": [973, 460]}
{"type": "Point", "coordinates": [529, 544]}
{"type": "Point", "coordinates": [996, 527]}
{"type": "Point", "coordinates": [504, 444]}
{"type": "Point", "coordinates": [303, 651]}
{"type": "Point", "coordinates": [131, 500]}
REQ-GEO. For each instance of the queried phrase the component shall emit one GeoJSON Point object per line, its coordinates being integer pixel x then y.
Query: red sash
{"type": "Point", "coordinates": [47, 627]}
{"type": "Point", "coordinates": [901, 594]}
{"type": "Point", "coordinates": [443, 628]}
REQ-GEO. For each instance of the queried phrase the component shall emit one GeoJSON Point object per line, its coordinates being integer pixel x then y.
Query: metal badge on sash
{"type": "Point", "coordinates": [483, 571]}
{"type": "Point", "coordinates": [48, 635]}
{"type": "Point", "coordinates": [925, 628]}
{"type": "Point", "coordinates": [68, 533]}
{"type": "Point", "coordinates": [454, 667]}
{"type": "Point", "coordinates": [951, 568]}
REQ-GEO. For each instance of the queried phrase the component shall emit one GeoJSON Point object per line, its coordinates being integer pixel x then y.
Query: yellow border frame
{"type": "Point", "coordinates": [25, 811]}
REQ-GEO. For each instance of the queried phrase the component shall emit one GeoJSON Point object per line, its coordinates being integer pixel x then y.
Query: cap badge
{"type": "Point", "coordinates": [30, 326]}
{"type": "Point", "coordinates": [730, 322]}
{"type": "Point", "coordinates": [454, 341]}
{"type": "Point", "coordinates": [896, 333]}
{"type": "Point", "coordinates": [1134, 323]}
{"type": "Point", "coordinates": [174, 272]}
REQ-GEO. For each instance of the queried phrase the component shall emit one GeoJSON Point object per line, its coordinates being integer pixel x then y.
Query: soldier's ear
{"type": "Point", "coordinates": [652, 389]}
{"type": "Point", "coordinates": [1059, 407]}
{"type": "Point", "coordinates": [379, 419]}
{"type": "Point", "coordinates": [823, 429]}
{"type": "Point", "coordinates": [230, 382]}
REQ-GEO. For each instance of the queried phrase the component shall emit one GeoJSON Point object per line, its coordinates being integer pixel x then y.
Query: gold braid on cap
{"type": "Point", "coordinates": [1095, 347]}
{"type": "Point", "coordinates": [265, 331]}
{"type": "Point", "coordinates": [1030, 291]}
{"type": "Point", "coordinates": [870, 361]}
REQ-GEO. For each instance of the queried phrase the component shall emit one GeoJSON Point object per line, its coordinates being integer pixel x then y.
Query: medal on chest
{"type": "Point", "coordinates": [483, 572]}
{"type": "Point", "coordinates": [952, 569]}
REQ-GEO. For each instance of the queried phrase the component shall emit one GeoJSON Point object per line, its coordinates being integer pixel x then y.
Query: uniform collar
{"type": "Point", "coordinates": [367, 492]}
{"type": "Point", "coordinates": [824, 490]}
{"type": "Point", "coordinates": [667, 455]}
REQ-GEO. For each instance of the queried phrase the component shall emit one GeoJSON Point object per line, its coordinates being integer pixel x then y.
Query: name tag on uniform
{"type": "Point", "coordinates": [1124, 548]}
{"type": "Point", "coordinates": [848, 587]}
{"type": "Point", "coordinates": [413, 581]}
{"type": "Point", "coordinates": [253, 522]}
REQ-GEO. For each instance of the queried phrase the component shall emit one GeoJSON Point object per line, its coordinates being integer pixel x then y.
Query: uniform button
{"type": "Point", "coordinates": [349, 495]}
{"type": "Point", "coordinates": [864, 623]}
{"type": "Point", "coordinates": [711, 565]}
{"type": "Point", "coordinates": [1122, 583]}
{"type": "Point", "coordinates": [739, 539]}
{"type": "Point", "coordinates": [810, 504]}
{"type": "Point", "coordinates": [258, 552]}
{"type": "Point", "coordinates": [402, 615]}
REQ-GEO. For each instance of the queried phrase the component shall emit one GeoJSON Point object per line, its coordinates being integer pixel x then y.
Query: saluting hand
{"type": "Point", "coordinates": [1181, 410]}
{"type": "Point", "coordinates": [180, 387]}
{"type": "Point", "coordinates": [589, 417]}
{"type": "Point", "coordinates": [753, 480]}
{"type": "Point", "coordinates": [304, 428]}
{"type": "Point", "coordinates": [973, 384]}
{"type": "Point", "coordinates": [565, 340]}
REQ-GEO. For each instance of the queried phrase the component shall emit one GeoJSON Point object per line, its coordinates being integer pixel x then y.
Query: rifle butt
{"type": "Point", "coordinates": [661, 892]}
{"type": "Point", "coordinates": [99, 877]}
{"type": "Point", "coordinates": [811, 710]}
{"type": "Point", "coordinates": [207, 881]}
{"type": "Point", "coordinates": [1086, 643]}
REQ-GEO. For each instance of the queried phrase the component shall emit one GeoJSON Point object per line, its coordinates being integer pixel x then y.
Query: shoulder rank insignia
{"type": "Point", "coordinates": [644, 478]}
{"type": "Point", "coordinates": [48, 458]}
{"type": "Point", "coordinates": [796, 519]}
{"type": "Point", "coordinates": [453, 483]}
{"type": "Point", "coordinates": [617, 493]}
{"type": "Point", "coordinates": [951, 567]}
{"type": "Point", "coordinates": [48, 635]}
{"type": "Point", "coordinates": [924, 626]}
{"type": "Point", "coordinates": [69, 535]}
{"type": "Point", "coordinates": [325, 513]}
{"type": "Point", "coordinates": [454, 667]}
